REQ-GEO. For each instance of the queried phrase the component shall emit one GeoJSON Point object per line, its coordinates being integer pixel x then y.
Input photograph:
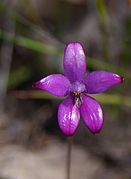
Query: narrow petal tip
{"type": "Point", "coordinates": [118, 78]}
{"type": "Point", "coordinates": [97, 130]}
{"type": "Point", "coordinates": [122, 79]}
{"type": "Point", "coordinates": [37, 85]}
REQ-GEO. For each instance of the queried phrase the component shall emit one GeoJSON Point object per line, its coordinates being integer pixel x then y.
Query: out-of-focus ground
{"type": "Point", "coordinates": [33, 34]}
{"type": "Point", "coordinates": [18, 162]}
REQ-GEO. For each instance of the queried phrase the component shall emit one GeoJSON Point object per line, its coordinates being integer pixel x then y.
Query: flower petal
{"type": "Point", "coordinates": [99, 81]}
{"type": "Point", "coordinates": [92, 114]}
{"type": "Point", "coordinates": [68, 117]}
{"type": "Point", "coordinates": [74, 62]}
{"type": "Point", "coordinates": [56, 84]}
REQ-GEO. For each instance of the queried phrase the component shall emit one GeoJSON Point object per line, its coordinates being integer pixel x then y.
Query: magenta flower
{"type": "Point", "coordinates": [75, 84]}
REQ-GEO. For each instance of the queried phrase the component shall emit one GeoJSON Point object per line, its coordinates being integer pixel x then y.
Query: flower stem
{"type": "Point", "coordinates": [68, 164]}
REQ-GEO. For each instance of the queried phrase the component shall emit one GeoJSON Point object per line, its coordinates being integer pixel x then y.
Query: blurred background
{"type": "Point", "coordinates": [33, 34]}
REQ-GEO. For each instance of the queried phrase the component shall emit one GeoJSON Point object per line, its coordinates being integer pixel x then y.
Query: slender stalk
{"type": "Point", "coordinates": [68, 164]}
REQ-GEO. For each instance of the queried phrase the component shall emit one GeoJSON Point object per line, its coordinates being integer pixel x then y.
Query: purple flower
{"type": "Point", "coordinates": [75, 84]}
